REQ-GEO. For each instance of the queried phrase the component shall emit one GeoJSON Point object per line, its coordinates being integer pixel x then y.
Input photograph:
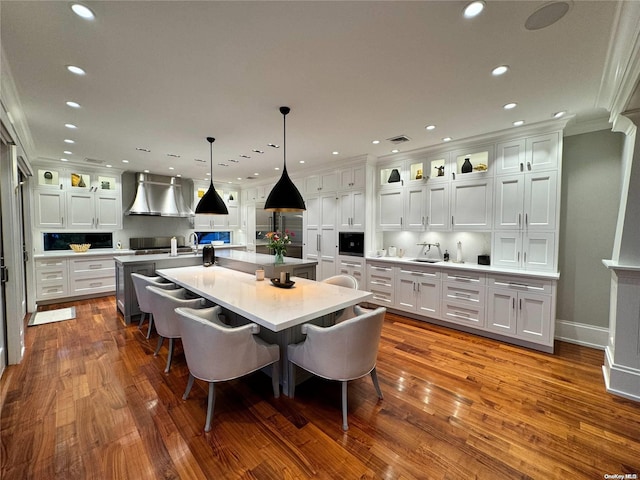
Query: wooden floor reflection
{"type": "Point", "coordinates": [90, 401]}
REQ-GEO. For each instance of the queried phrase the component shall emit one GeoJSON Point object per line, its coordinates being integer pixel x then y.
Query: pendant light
{"type": "Point", "coordinates": [284, 197]}
{"type": "Point", "coordinates": [211, 203]}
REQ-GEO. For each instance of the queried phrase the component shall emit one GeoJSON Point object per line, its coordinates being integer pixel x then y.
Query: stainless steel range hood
{"type": "Point", "coordinates": [160, 196]}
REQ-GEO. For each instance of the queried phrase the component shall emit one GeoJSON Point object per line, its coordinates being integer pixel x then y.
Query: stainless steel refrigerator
{"type": "Point", "coordinates": [270, 222]}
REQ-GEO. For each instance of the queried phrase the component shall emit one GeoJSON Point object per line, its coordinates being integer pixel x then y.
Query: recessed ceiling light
{"type": "Point", "coordinates": [67, 152]}
{"type": "Point", "coordinates": [395, 150]}
{"type": "Point", "coordinates": [68, 140]}
{"type": "Point", "coordinates": [70, 125]}
{"type": "Point", "coordinates": [277, 168]}
{"type": "Point", "coordinates": [82, 11]}
{"type": "Point", "coordinates": [559, 114]}
{"type": "Point", "coordinates": [273, 145]}
{"type": "Point", "coordinates": [473, 9]}
{"type": "Point", "coordinates": [146, 171]}
{"type": "Point", "coordinates": [446, 139]}
{"type": "Point", "coordinates": [239, 178]}
{"type": "Point", "coordinates": [257, 151]}
{"type": "Point", "coordinates": [208, 174]}
{"type": "Point", "coordinates": [76, 70]}
{"type": "Point", "coordinates": [73, 104]}
{"type": "Point", "coordinates": [140, 149]}
{"type": "Point", "coordinates": [64, 160]}
{"type": "Point", "coordinates": [171, 168]}
{"type": "Point", "coordinates": [430, 127]}
{"type": "Point", "coordinates": [500, 70]}
{"type": "Point", "coordinates": [510, 106]}
{"type": "Point", "coordinates": [301, 161]}
{"type": "Point", "coordinates": [376, 142]}
{"type": "Point", "coordinates": [108, 166]}
{"type": "Point", "coordinates": [517, 123]}
{"type": "Point", "coordinates": [125, 161]}
{"type": "Point", "coordinates": [335, 153]}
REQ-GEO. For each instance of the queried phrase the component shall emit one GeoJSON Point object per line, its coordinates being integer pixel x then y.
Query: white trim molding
{"type": "Point", "coordinates": [582, 334]}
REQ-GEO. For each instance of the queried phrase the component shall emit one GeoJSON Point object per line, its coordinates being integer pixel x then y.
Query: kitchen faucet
{"type": "Point", "coordinates": [193, 240]}
{"type": "Point", "coordinates": [425, 244]}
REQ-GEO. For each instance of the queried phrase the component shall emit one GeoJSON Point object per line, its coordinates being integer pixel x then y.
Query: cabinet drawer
{"type": "Point", "coordinates": [77, 265]}
{"type": "Point", "coordinates": [51, 290]}
{"type": "Point", "coordinates": [467, 295]}
{"type": "Point", "coordinates": [463, 315]}
{"type": "Point", "coordinates": [418, 273]}
{"type": "Point", "coordinates": [466, 277]}
{"type": "Point", "coordinates": [82, 286]}
{"type": "Point", "coordinates": [522, 284]}
{"type": "Point", "coordinates": [381, 296]}
{"type": "Point", "coordinates": [51, 275]}
{"type": "Point", "coordinates": [50, 262]}
{"type": "Point", "coordinates": [380, 276]}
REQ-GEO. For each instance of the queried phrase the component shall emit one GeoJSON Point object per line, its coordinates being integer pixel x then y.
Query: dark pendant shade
{"type": "Point", "coordinates": [284, 197]}
{"type": "Point", "coordinates": [211, 203]}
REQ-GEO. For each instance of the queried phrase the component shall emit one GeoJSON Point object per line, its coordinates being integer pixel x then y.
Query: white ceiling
{"type": "Point", "coordinates": [165, 75]}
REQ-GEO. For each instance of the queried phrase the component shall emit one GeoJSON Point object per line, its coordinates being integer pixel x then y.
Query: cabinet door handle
{"type": "Point", "coordinates": [400, 222]}
{"type": "Point", "coordinates": [525, 258]}
{"type": "Point", "coordinates": [318, 242]}
{"type": "Point", "coordinates": [518, 257]}
{"type": "Point", "coordinates": [521, 167]}
{"type": "Point", "coordinates": [427, 224]}
{"type": "Point", "coordinates": [452, 222]}
{"type": "Point", "coordinates": [60, 186]}
{"type": "Point", "coordinates": [453, 174]}
{"type": "Point", "coordinates": [520, 304]}
{"type": "Point", "coordinates": [519, 220]}
{"type": "Point", "coordinates": [513, 301]}
{"type": "Point", "coordinates": [526, 219]}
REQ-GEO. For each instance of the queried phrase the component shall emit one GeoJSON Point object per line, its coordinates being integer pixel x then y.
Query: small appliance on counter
{"type": "Point", "coordinates": [208, 255]}
{"type": "Point", "coordinates": [484, 260]}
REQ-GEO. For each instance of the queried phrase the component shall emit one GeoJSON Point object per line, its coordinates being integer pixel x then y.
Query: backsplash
{"type": "Point", "coordinates": [473, 244]}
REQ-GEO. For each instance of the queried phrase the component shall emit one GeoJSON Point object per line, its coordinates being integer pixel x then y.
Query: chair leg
{"type": "Point", "coordinates": [275, 379]}
{"type": "Point", "coordinates": [170, 355]}
{"type": "Point", "coordinates": [142, 315]}
{"type": "Point", "coordinates": [189, 385]}
{"type": "Point", "coordinates": [292, 379]}
{"type": "Point", "coordinates": [150, 325]}
{"type": "Point", "coordinates": [374, 377]}
{"type": "Point", "coordinates": [160, 340]}
{"type": "Point", "coordinates": [210, 404]}
{"type": "Point", "coordinates": [345, 425]}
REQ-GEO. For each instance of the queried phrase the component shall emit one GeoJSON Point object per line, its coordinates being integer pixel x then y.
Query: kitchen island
{"type": "Point", "coordinates": [247, 262]}
{"type": "Point", "coordinates": [279, 311]}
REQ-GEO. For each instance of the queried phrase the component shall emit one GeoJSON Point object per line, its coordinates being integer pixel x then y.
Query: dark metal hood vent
{"type": "Point", "coordinates": [158, 195]}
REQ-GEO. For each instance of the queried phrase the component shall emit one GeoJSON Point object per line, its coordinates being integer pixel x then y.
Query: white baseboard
{"type": "Point", "coordinates": [582, 334]}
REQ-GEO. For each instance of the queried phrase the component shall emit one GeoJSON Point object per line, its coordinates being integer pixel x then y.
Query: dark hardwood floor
{"type": "Point", "coordinates": [90, 401]}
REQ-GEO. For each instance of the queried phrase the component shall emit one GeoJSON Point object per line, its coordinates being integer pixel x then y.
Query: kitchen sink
{"type": "Point", "coordinates": [425, 260]}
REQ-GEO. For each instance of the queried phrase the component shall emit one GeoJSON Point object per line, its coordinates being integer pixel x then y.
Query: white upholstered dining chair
{"type": "Point", "coordinates": [216, 352]}
{"type": "Point", "coordinates": [345, 351]}
{"type": "Point", "coordinates": [347, 281]}
{"type": "Point", "coordinates": [144, 297]}
{"type": "Point", "coordinates": [163, 308]}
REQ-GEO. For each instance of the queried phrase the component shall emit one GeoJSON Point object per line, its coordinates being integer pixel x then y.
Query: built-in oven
{"type": "Point", "coordinates": [351, 243]}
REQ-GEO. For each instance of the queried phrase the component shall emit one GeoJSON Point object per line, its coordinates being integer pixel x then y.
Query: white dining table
{"type": "Point", "coordinates": [281, 311]}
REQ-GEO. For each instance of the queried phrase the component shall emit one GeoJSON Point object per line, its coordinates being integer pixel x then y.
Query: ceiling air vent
{"type": "Point", "coordinates": [94, 161]}
{"type": "Point", "coordinates": [399, 139]}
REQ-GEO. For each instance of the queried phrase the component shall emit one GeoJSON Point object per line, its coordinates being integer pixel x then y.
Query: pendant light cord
{"type": "Point", "coordinates": [211, 140]}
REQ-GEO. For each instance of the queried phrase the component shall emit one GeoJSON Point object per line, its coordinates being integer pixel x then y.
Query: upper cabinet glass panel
{"type": "Point", "coordinates": [80, 180]}
{"type": "Point", "coordinates": [49, 178]}
{"type": "Point", "coordinates": [416, 171]}
{"type": "Point", "coordinates": [475, 161]}
{"type": "Point", "coordinates": [106, 183]}
{"type": "Point", "coordinates": [438, 167]}
{"type": "Point", "coordinates": [391, 176]}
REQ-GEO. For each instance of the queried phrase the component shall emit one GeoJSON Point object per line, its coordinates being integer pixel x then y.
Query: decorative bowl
{"type": "Point", "coordinates": [79, 247]}
{"type": "Point", "coordinates": [276, 282]}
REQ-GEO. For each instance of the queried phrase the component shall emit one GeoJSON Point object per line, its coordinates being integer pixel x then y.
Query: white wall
{"type": "Point", "coordinates": [590, 200]}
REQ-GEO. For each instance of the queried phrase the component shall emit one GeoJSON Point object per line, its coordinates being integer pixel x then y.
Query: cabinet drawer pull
{"type": "Point", "coordinates": [95, 266]}
{"type": "Point", "coordinates": [462, 314]}
{"type": "Point", "coordinates": [518, 285]}
{"type": "Point", "coordinates": [458, 277]}
{"type": "Point", "coordinates": [384, 269]}
{"type": "Point", "coordinates": [463, 296]}
{"type": "Point", "coordinates": [95, 284]}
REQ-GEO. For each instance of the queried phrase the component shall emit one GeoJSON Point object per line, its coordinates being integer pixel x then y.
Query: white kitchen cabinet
{"type": "Point", "coordinates": [463, 298]}
{"type": "Point", "coordinates": [49, 208]}
{"type": "Point", "coordinates": [543, 152]}
{"type": "Point", "coordinates": [526, 202]}
{"type": "Point", "coordinates": [351, 210]}
{"type": "Point", "coordinates": [510, 157]}
{"type": "Point", "coordinates": [415, 208]}
{"type": "Point", "coordinates": [519, 250]}
{"type": "Point", "coordinates": [418, 289]}
{"type": "Point", "coordinates": [91, 275]}
{"type": "Point", "coordinates": [402, 173]}
{"type": "Point", "coordinates": [437, 207]}
{"type": "Point", "coordinates": [472, 205]}
{"type": "Point", "coordinates": [89, 209]}
{"type": "Point", "coordinates": [320, 237]}
{"type": "Point", "coordinates": [521, 308]}
{"type": "Point", "coordinates": [353, 266]}
{"type": "Point", "coordinates": [390, 209]}
{"type": "Point", "coordinates": [480, 158]}
{"type": "Point", "coordinates": [352, 178]}
{"type": "Point", "coordinates": [325, 182]}
{"type": "Point", "coordinates": [52, 279]}
{"type": "Point", "coordinates": [381, 282]}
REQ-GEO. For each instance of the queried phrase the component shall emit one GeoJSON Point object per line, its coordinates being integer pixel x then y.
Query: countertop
{"type": "Point", "coordinates": [467, 266]}
{"type": "Point", "coordinates": [91, 252]}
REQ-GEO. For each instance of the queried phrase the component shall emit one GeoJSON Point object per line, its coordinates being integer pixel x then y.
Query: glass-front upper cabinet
{"type": "Point", "coordinates": [80, 180]}
{"type": "Point", "coordinates": [48, 177]}
{"type": "Point", "coordinates": [473, 162]}
{"type": "Point", "coordinates": [105, 183]}
{"type": "Point", "coordinates": [415, 171]}
{"type": "Point", "coordinates": [438, 167]}
{"type": "Point", "coordinates": [391, 175]}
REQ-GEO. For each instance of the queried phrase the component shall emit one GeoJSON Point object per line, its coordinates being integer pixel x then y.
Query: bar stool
{"type": "Point", "coordinates": [144, 298]}
{"type": "Point", "coordinates": [163, 306]}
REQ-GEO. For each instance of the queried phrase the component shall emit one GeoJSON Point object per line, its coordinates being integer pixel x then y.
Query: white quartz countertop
{"type": "Point", "coordinates": [261, 302]}
{"type": "Point", "coordinates": [467, 266]}
{"type": "Point", "coordinates": [91, 252]}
